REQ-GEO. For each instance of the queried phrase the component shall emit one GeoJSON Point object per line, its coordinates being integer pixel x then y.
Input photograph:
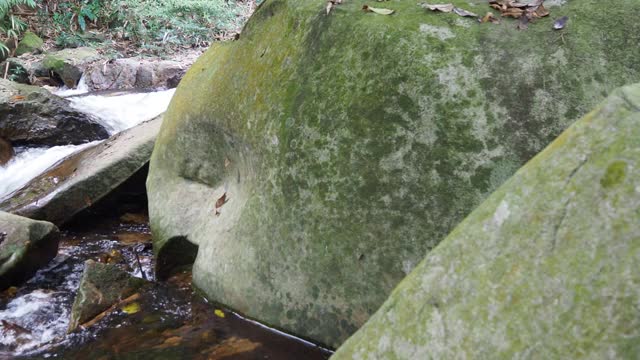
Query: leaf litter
{"type": "Point", "coordinates": [381, 11]}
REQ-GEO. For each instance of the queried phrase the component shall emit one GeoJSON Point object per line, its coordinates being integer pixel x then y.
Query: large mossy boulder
{"type": "Point", "coordinates": [32, 116]}
{"type": "Point", "coordinates": [70, 64]}
{"type": "Point", "coordinates": [348, 145]}
{"type": "Point", "coordinates": [30, 43]}
{"type": "Point", "coordinates": [546, 268]}
{"type": "Point", "coordinates": [25, 246]}
{"type": "Point", "coordinates": [82, 179]}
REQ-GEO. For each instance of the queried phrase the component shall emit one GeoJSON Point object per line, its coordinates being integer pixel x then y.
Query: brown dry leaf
{"type": "Point", "coordinates": [513, 12]}
{"type": "Point", "coordinates": [221, 201]}
{"type": "Point", "coordinates": [490, 17]}
{"type": "Point", "coordinates": [380, 11]}
{"type": "Point", "coordinates": [227, 162]}
{"type": "Point", "coordinates": [16, 98]}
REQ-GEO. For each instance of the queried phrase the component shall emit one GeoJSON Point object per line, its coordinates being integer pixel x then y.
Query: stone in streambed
{"type": "Point", "coordinates": [80, 180]}
{"type": "Point", "coordinates": [70, 64]}
{"type": "Point", "coordinates": [101, 286]}
{"type": "Point", "coordinates": [545, 268]}
{"type": "Point", "coordinates": [25, 246]}
{"type": "Point", "coordinates": [350, 144]}
{"type": "Point", "coordinates": [32, 116]}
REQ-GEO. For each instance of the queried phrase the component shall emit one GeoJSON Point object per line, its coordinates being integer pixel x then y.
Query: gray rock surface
{"type": "Point", "coordinates": [25, 246]}
{"type": "Point", "coordinates": [82, 179]}
{"type": "Point", "coordinates": [32, 116]}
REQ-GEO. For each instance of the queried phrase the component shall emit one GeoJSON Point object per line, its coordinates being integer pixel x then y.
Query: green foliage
{"type": "Point", "coordinates": [10, 25]}
{"type": "Point", "coordinates": [167, 22]}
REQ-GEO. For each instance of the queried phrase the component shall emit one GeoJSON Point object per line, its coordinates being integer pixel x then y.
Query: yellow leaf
{"type": "Point", "coordinates": [219, 313]}
{"type": "Point", "coordinates": [132, 308]}
{"type": "Point", "coordinates": [380, 11]}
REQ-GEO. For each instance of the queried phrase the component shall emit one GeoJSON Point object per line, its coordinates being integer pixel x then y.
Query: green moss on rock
{"type": "Point", "coordinates": [349, 145]}
{"type": "Point", "coordinates": [30, 43]}
{"type": "Point", "coordinates": [545, 268]}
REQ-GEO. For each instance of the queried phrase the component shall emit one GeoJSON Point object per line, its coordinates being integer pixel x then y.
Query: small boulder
{"type": "Point", "coordinates": [25, 246]}
{"type": "Point", "coordinates": [85, 177]}
{"type": "Point", "coordinates": [69, 64]}
{"type": "Point", "coordinates": [101, 286]}
{"type": "Point", "coordinates": [134, 74]}
{"type": "Point", "coordinates": [6, 151]}
{"type": "Point", "coordinates": [32, 116]}
{"type": "Point", "coordinates": [30, 43]}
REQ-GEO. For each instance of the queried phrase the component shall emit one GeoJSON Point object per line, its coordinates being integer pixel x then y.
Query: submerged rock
{"type": "Point", "coordinates": [546, 268]}
{"type": "Point", "coordinates": [82, 179]}
{"type": "Point", "coordinates": [32, 116]}
{"type": "Point", "coordinates": [347, 146]}
{"type": "Point", "coordinates": [69, 64]}
{"type": "Point", "coordinates": [101, 286]}
{"type": "Point", "coordinates": [25, 246]}
{"type": "Point", "coordinates": [30, 43]}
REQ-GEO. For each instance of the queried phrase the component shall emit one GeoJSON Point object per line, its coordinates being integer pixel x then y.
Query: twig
{"type": "Point", "coordinates": [100, 316]}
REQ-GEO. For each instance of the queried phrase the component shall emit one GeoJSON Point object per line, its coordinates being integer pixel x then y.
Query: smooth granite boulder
{"type": "Point", "coordinates": [25, 246]}
{"type": "Point", "coordinates": [348, 145]}
{"type": "Point", "coordinates": [80, 180]}
{"type": "Point", "coordinates": [546, 268]}
{"type": "Point", "coordinates": [70, 64]}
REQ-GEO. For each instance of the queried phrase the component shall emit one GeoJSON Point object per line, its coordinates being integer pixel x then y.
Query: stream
{"type": "Point", "coordinates": [171, 320]}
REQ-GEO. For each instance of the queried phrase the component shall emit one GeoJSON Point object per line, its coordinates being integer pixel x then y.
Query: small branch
{"type": "Point", "coordinates": [100, 316]}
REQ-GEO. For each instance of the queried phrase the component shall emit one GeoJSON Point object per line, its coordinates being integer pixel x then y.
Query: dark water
{"type": "Point", "coordinates": [167, 321]}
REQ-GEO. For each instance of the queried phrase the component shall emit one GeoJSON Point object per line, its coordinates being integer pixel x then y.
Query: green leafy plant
{"type": "Point", "coordinates": [10, 25]}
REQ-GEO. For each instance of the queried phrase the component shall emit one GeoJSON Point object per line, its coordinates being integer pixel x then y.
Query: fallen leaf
{"type": "Point", "coordinates": [221, 201]}
{"type": "Point", "coordinates": [380, 11]}
{"type": "Point", "coordinates": [219, 313]}
{"type": "Point", "coordinates": [131, 308]}
{"type": "Point", "coordinates": [446, 8]}
{"type": "Point", "coordinates": [227, 162]}
{"type": "Point", "coordinates": [490, 17]}
{"type": "Point", "coordinates": [560, 23]}
{"type": "Point", "coordinates": [463, 12]}
{"type": "Point", "coordinates": [16, 98]}
{"type": "Point", "coordinates": [439, 7]}
{"type": "Point", "coordinates": [329, 7]}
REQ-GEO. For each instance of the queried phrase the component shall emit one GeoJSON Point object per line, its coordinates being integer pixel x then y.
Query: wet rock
{"type": "Point", "coordinates": [134, 74]}
{"type": "Point", "coordinates": [351, 145]}
{"type": "Point", "coordinates": [28, 69]}
{"type": "Point", "coordinates": [6, 151]}
{"type": "Point", "coordinates": [32, 116]}
{"type": "Point", "coordinates": [101, 286]}
{"type": "Point", "coordinates": [546, 268]}
{"type": "Point", "coordinates": [25, 246]}
{"type": "Point", "coordinates": [70, 64]}
{"type": "Point", "coordinates": [30, 43]}
{"type": "Point", "coordinates": [82, 179]}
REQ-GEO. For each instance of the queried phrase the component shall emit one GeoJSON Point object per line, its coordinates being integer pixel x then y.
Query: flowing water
{"type": "Point", "coordinates": [173, 321]}
{"type": "Point", "coordinates": [115, 112]}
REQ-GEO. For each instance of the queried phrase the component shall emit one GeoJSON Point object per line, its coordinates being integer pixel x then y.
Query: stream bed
{"type": "Point", "coordinates": [170, 321]}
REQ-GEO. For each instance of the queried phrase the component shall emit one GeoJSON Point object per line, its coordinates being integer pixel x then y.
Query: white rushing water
{"type": "Point", "coordinates": [118, 113]}
{"type": "Point", "coordinates": [115, 113]}
{"type": "Point", "coordinates": [29, 163]}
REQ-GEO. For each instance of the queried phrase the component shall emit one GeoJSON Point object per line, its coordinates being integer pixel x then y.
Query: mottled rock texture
{"type": "Point", "coordinates": [69, 64]}
{"type": "Point", "coordinates": [83, 178]}
{"type": "Point", "coordinates": [546, 268]}
{"type": "Point", "coordinates": [349, 145]}
{"type": "Point", "coordinates": [25, 246]}
{"type": "Point", "coordinates": [32, 116]}
{"type": "Point", "coordinates": [101, 286]}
